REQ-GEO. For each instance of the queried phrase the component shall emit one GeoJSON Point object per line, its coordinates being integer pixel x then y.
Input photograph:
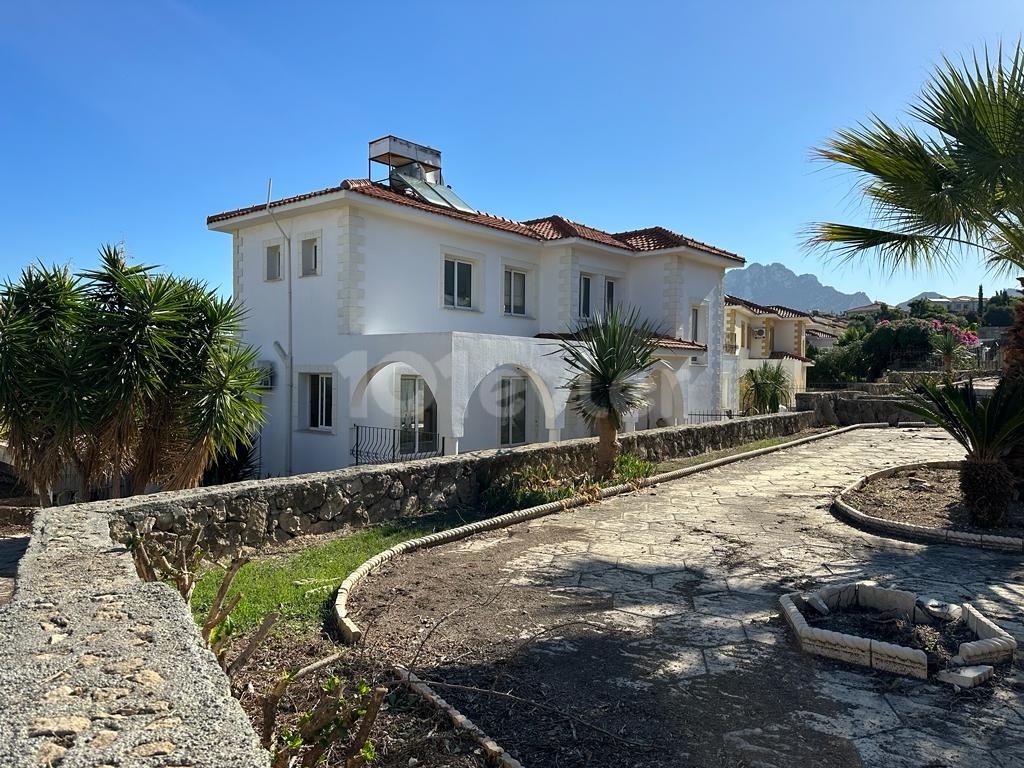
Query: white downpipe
{"type": "Point", "coordinates": [288, 358]}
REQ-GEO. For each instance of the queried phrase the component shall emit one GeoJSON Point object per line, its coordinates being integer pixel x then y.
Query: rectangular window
{"type": "Point", "coordinates": [584, 296]}
{"type": "Point", "coordinates": [321, 401]}
{"type": "Point", "coordinates": [609, 295]}
{"type": "Point", "coordinates": [513, 411]}
{"type": "Point", "coordinates": [310, 256]}
{"type": "Point", "coordinates": [515, 292]}
{"type": "Point", "coordinates": [273, 262]}
{"type": "Point", "coordinates": [458, 284]}
{"type": "Point", "coordinates": [695, 324]}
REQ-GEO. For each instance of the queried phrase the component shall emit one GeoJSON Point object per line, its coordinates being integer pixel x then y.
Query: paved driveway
{"type": "Point", "coordinates": [686, 578]}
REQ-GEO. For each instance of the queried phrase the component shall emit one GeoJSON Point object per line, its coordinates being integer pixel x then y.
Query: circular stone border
{"type": "Point", "coordinates": [920, 533]}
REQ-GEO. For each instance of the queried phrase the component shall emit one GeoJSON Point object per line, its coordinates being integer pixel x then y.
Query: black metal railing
{"type": "Point", "coordinates": [704, 417]}
{"type": "Point", "coordinates": [384, 445]}
{"type": "Point", "coordinates": [730, 349]}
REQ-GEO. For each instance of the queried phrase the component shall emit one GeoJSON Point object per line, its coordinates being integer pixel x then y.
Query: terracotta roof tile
{"type": "Point", "coordinates": [559, 227]}
{"type": "Point", "coordinates": [788, 312]}
{"type": "Point", "coordinates": [757, 309]}
{"type": "Point", "coordinates": [790, 356]}
{"type": "Point", "coordinates": [547, 228]}
{"type": "Point", "coordinates": [655, 238]}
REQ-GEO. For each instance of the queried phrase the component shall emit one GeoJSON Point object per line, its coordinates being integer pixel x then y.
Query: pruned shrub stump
{"type": "Point", "coordinates": [992, 646]}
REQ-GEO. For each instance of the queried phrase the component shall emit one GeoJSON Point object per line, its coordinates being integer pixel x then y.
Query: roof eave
{"type": "Point", "coordinates": [262, 215]}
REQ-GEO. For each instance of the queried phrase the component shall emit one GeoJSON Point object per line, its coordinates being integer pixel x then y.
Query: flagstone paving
{"type": "Point", "coordinates": [683, 581]}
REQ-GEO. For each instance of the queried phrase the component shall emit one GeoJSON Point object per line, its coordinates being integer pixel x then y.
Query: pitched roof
{"type": "Point", "coordinates": [664, 341]}
{"type": "Point", "coordinates": [790, 356]}
{"type": "Point", "coordinates": [544, 229]}
{"type": "Point", "coordinates": [559, 227]}
{"type": "Point", "coordinates": [814, 333]}
{"type": "Point", "coordinates": [787, 313]}
{"type": "Point", "coordinates": [757, 309]}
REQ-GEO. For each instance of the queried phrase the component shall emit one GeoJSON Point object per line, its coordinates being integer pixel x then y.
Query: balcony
{"type": "Point", "coordinates": [730, 349]}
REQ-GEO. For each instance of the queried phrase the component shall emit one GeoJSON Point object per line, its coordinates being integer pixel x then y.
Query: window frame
{"type": "Point", "coordinates": [508, 290]}
{"type": "Point", "coordinates": [609, 300]}
{"type": "Point", "coordinates": [589, 306]}
{"type": "Point", "coordinates": [695, 316]}
{"type": "Point", "coordinates": [267, 245]}
{"type": "Point", "coordinates": [506, 419]}
{"type": "Point", "coordinates": [321, 386]}
{"type": "Point", "coordinates": [456, 261]}
{"type": "Point", "coordinates": [317, 254]}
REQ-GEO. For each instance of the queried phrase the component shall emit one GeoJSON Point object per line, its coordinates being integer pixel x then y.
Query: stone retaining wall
{"type": "Point", "coordinates": [255, 512]}
{"type": "Point", "coordinates": [845, 408]}
{"type": "Point", "coordinates": [100, 669]}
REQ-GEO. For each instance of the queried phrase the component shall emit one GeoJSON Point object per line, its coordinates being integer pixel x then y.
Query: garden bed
{"type": "Point", "coordinates": [940, 642]}
{"type": "Point", "coordinates": [929, 497]}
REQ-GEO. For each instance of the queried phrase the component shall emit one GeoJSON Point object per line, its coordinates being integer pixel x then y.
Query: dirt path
{"type": "Point", "coordinates": [650, 621]}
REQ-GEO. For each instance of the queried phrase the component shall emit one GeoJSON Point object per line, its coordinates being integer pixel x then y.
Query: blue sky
{"type": "Point", "coordinates": [134, 121]}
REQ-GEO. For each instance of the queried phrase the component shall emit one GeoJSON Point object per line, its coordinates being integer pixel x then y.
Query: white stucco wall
{"type": "Point", "coordinates": [375, 310]}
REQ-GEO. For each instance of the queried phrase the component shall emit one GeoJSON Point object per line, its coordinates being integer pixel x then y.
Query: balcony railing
{"type": "Point", "coordinates": [385, 445]}
{"type": "Point", "coordinates": [730, 349]}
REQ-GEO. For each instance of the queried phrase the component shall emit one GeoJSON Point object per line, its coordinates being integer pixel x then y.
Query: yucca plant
{"type": "Point", "coordinates": [987, 428]}
{"type": "Point", "coordinates": [765, 389]}
{"type": "Point", "coordinates": [611, 357]}
{"type": "Point", "coordinates": [122, 373]}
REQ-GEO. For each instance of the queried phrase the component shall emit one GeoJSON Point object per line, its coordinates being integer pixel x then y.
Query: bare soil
{"type": "Point", "coordinates": [406, 728]}
{"type": "Point", "coordinates": [940, 642]}
{"type": "Point", "coordinates": [929, 497]}
{"type": "Point", "coordinates": [544, 695]}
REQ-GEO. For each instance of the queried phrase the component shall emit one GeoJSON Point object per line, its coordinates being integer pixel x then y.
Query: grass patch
{"type": "Point", "coordinates": [289, 582]}
{"type": "Point", "coordinates": [301, 584]}
{"type": "Point", "coordinates": [702, 458]}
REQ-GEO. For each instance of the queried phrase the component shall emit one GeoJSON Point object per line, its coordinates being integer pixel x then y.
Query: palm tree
{"type": "Point", "coordinates": [955, 187]}
{"type": "Point", "coordinates": [765, 389]}
{"type": "Point", "coordinates": [611, 357]}
{"type": "Point", "coordinates": [988, 429]}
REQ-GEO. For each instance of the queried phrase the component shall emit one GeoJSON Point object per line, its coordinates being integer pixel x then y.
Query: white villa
{"type": "Point", "coordinates": [396, 321]}
{"type": "Point", "coordinates": [755, 334]}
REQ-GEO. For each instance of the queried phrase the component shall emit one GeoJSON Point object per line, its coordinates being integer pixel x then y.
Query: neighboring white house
{"type": "Point", "coordinates": [417, 325]}
{"type": "Point", "coordinates": [755, 333]}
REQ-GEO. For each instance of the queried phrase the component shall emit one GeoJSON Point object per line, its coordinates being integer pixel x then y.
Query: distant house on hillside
{"type": "Point", "coordinates": [867, 309]}
{"type": "Point", "coordinates": [398, 322]}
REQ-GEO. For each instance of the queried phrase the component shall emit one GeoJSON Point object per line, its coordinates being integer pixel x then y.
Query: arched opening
{"type": "Point", "coordinates": [396, 415]}
{"type": "Point", "coordinates": [512, 405]}
{"type": "Point", "coordinates": [665, 402]}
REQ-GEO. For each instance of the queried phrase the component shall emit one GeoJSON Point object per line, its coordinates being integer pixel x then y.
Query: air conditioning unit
{"type": "Point", "coordinates": [269, 378]}
{"type": "Point", "coordinates": [760, 333]}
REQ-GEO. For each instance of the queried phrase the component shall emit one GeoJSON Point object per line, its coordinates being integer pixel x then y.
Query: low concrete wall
{"type": "Point", "coordinates": [98, 668]}
{"type": "Point", "coordinates": [253, 513]}
{"type": "Point", "coordinates": [846, 408]}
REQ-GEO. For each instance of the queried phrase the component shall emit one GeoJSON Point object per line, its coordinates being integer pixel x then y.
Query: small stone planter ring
{"type": "Point", "coordinates": [843, 509]}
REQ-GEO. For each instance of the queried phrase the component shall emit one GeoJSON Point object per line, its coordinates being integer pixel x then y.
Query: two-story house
{"type": "Point", "coordinates": [756, 333]}
{"type": "Point", "coordinates": [397, 321]}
